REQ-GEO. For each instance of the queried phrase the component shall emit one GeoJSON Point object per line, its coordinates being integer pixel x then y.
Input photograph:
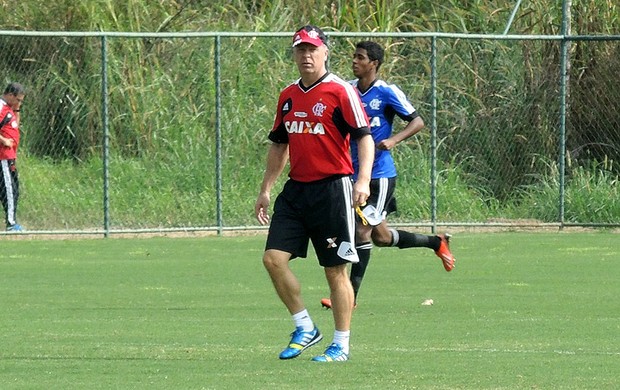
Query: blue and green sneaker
{"type": "Point", "coordinates": [301, 340]}
{"type": "Point", "coordinates": [333, 353]}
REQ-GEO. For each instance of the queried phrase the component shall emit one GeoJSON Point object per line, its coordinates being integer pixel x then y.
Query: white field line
{"type": "Point", "coordinates": [515, 351]}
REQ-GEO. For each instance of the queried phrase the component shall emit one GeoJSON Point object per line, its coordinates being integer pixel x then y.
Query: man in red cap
{"type": "Point", "coordinates": [317, 117]}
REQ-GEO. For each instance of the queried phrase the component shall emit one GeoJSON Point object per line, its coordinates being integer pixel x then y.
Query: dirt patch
{"type": "Point", "coordinates": [491, 226]}
{"type": "Point", "coordinates": [77, 235]}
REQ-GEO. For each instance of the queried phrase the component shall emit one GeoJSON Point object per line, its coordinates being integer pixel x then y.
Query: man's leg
{"type": "Point", "coordinates": [341, 294]}
{"type": "Point", "coordinates": [15, 192]}
{"type": "Point", "coordinates": [403, 239]}
{"type": "Point", "coordinates": [342, 308]}
{"type": "Point", "coordinates": [363, 247]}
{"type": "Point", "coordinates": [384, 236]}
{"type": "Point", "coordinates": [6, 187]}
{"type": "Point", "coordinates": [287, 286]}
{"type": "Point", "coordinates": [285, 282]}
{"type": "Point", "coordinates": [359, 269]}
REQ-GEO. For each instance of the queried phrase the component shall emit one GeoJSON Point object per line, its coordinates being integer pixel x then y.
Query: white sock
{"type": "Point", "coordinates": [342, 338]}
{"type": "Point", "coordinates": [395, 237]}
{"type": "Point", "coordinates": [303, 319]}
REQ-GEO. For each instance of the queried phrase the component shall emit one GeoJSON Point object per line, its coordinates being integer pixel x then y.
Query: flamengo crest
{"type": "Point", "coordinates": [318, 109]}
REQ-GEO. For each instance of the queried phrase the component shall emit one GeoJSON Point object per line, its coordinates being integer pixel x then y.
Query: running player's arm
{"type": "Point", "coordinates": [413, 127]}
{"type": "Point", "coordinates": [399, 104]}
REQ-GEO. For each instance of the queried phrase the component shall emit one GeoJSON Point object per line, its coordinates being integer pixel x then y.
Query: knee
{"type": "Point", "coordinates": [271, 261]}
{"type": "Point", "coordinates": [382, 240]}
{"type": "Point", "coordinates": [381, 243]}
{"type": "Point", "coordinates": [336, 275]}
{"type": "Point", "coordinates": [382, 235]}
{"type": "Point", "coordinates": [362, 235]}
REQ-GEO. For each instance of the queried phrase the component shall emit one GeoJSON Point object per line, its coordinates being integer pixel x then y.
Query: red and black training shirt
{"type": "Point", "coordinates": [318, 123]}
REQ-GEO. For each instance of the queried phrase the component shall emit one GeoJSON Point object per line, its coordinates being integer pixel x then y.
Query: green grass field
{"type": "Point", "coordinates": [520, 311]}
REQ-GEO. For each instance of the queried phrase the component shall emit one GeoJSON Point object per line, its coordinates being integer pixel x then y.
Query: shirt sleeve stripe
{"type": "Point", "coordinates": [402, 99]}
{"type": "Point", "coordinates": [358, 110]}
{"type": "Point", "coordinates": [356, 106]}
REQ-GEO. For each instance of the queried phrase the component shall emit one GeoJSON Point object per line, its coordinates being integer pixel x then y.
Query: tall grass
{"type": "Point", "coordinates": [73, 199]}
{"type": "Point", "coordinates": [591, 195]}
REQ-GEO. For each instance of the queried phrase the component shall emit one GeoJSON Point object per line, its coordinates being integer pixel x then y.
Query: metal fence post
{"type": "Point", "coordinates": [434, 133]}
{"type": "Point", "coordinates": [564, 69]}
{"type": "Point", "coordinates": [218, 135]}
{"type": "Point", "coordinates": [106, 136]}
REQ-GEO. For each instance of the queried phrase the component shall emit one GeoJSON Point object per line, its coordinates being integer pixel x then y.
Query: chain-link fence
{"type": "Point", "coordinates": [143, 132]}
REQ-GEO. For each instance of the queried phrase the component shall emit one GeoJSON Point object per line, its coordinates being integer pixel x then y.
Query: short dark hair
{"type": "Point", "coordinates": [15, 89]}
{"type": "Point", "coordinates": [374, 50]}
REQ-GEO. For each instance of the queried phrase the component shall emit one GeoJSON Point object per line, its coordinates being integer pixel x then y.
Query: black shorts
{"type": "Point", "coordinates": [382, 194]}
{"type": "Point", "coordinates": [320, 211]}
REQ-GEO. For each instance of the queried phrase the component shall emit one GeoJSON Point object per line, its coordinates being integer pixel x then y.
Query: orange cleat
{"type": "Point", "coordinates": [444, 252]}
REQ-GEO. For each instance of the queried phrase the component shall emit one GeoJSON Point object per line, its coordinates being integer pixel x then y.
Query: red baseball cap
{"type": "Point", "coordinates": [309, 34]}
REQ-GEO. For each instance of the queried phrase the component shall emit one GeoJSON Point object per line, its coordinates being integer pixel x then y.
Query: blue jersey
{"type": "Point", "coordinates": [382, 102]}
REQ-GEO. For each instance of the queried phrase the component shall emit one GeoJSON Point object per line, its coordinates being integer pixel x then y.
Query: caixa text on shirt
{"type": "Point", "coordinates": [304, 127]}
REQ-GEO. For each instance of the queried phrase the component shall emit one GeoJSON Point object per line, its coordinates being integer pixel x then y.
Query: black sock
{"type": "Point", "coordinates": [358, 269]}
{"type": "Point", "coordinates": [403, 239]}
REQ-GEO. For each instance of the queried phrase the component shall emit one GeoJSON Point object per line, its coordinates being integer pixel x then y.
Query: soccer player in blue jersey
{"type": "Point", "coordinates": [383, 102]}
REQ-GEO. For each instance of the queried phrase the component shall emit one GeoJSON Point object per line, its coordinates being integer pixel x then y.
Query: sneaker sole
{"type": "Point", "coordinates": [325, 359]}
